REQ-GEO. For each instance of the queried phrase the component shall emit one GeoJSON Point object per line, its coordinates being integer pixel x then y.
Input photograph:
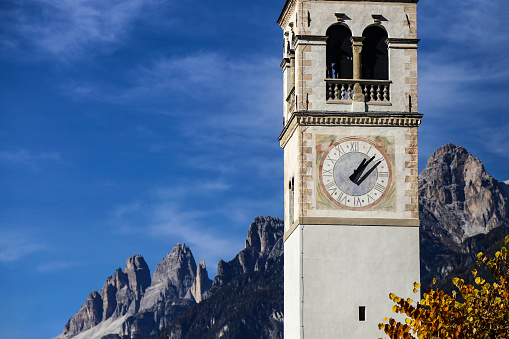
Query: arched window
{"type": "Point", "coordinates": [375, 58]}
{"type": "Point", "coordinates": [339, 53]}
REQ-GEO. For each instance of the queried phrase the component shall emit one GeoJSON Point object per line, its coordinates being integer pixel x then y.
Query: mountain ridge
{"type": "Point", "coordinates": [462, 209]}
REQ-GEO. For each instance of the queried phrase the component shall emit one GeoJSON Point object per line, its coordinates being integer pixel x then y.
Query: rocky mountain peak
{"type": "Point", "coordinates": [178, 268]}
{"type": "Point", "coordinates": [138, 274]}
{"type": "Point", "coordinates": [121, 295]}
{"type": "Point", "coordinates": [264, 244]}
{"type": "Point", "coordinates": [202, 283]}
{"type": "Point", "coordinates": [262, 234]}
{"type": "Point", "coordinates": [456, 189]}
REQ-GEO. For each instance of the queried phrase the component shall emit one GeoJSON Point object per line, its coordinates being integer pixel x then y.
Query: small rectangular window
{"type": "Point", "coordinates": [362, 313]}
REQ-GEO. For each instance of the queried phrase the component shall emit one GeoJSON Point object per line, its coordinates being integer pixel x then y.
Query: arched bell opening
{"type": "Point", "coordinates": [339, 57]}
{"type": "Point", "coordinates": [375, 56]}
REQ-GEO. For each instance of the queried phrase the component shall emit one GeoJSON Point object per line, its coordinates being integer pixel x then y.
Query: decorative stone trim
{"type": "Point", "coordinates": [309, 40]}
{"type": "Point", "coordinates": [411, 170]}
{"type": "Point", "coordinates": [309, 118]}
{"type": "Point", "coordinates": [342, 90]}
{"type": "Point", "coordinates": [340, 17]}
{"type": "Point", "coordinates": [402, 43]}
{"type": "Point", "coordinates": [284, 63]}
{"type": "Point", "coordinates": [310, 221]}
{"type": "Point", "coordinates": [286, 13]}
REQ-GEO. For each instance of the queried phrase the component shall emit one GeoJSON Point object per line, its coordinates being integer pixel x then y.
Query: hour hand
{"type": "Point", "coordinates": [368, 173]}
{"type": "Point", "coordinates": [358, 172]}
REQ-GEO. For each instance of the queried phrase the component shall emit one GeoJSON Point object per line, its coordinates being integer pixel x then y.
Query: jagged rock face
{"type": "Point", "coordinates": [264, 244]}
{"type": "Point", "coordinates": [89, 315]}
{"type": "Point", "coordinates": [251, 307]}
{"type": "Point", "coordinates": [138, 275]}
{"type": "Point", "coordinates": [173, 277]}
{"type": "Point", "coordinates": [177, 285]}
{"type": "Point", "coordinates": [202, 283]}
{"type": "Point", "coordinates": [458, 198]}
{"type": "Point", "coordinates": [120, 295]}
{"type": "Point", "coordinates": [178, 268]}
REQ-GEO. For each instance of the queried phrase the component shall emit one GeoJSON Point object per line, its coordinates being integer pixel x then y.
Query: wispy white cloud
{"type": "Point", "coordinates": [463, 75]}
{"type": "Point", "coordinates": [55, 266]}
{"type": "Point", "coordinates": [189, 189]}
{"type": "Point", "coordinates": [67, 28]}
{"type": "Point", "coordinates": [465, 22]}
{"type": "Point", "coordinates": [14, 245]}
{"type": "Point", "coordinates": [495, 139]}
{"type": "Point", "coordinates": [166, 220]}
{"type": "Point", "coordinates": [27, 158]}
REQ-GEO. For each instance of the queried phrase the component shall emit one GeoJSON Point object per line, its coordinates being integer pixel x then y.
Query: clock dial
{"type": "Point", "coordinates": [355, 173]}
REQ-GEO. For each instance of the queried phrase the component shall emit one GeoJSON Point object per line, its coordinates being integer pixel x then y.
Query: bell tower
{"type": "Point", "coordinates": [349, 136]}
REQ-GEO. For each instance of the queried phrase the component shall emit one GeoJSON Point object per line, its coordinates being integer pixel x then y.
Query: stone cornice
{"type": "Point", "coordinates": [310, 221]}
{"type": "Point", "coordinates": [309, 118]}
{"type": "Point", "coordinates": [290, 4]}
{"type": "Point", "coordinates": [310, 40]}
{"type": "Point", "coordinates": [285, 13]}
{"type": "Point", "coordinates": [311, 37]}
{"type": "Point", "coordinates": [284, 63]}
{"type": "Point", "coordinates": [402, 43]}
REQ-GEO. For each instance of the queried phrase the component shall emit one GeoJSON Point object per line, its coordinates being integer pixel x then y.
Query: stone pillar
{"type": "Point", "coordinates": [357, 67]}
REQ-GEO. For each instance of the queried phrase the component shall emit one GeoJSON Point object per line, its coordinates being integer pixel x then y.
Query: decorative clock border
{"type": "Point", "coordinates": [381, 205]}
{"type": "Point", "coordinates": [354, 138]}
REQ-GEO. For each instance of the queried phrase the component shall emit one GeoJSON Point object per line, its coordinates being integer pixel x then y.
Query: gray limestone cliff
{"type": "Point", "coordinates": [132, 305]}
{"type": "Point", "coordinates": [120, 295]}
{"type": "Point", "coordinates": [202, 284]}
{"type": "Point", "coordinates": [177, 285]}
{"type": "Point", "coordinates": [264, 244]}
{"type": "Point", "coordinates": [458, 199]}
{"type": "Point", "coordinates": [246, 300]}
{"type": "Point", "coordinates": [89, 315]}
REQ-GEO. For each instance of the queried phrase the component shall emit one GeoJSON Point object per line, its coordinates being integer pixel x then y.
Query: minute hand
{"type": "Point", "coordinates": [368, 173]}
{"type": "Point", "coordinates": [358, 171]}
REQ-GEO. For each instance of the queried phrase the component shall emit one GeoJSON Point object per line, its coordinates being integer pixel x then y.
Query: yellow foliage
{"type": "Point", "coordinates": [483, 314]}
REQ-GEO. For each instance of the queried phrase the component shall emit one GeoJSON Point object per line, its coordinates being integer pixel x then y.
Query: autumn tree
{"type": "Point", "coordinates": [481, 312]}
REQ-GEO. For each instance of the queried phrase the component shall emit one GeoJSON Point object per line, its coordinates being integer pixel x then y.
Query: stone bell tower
{"type": "Point", "coordinates": [350, 154]}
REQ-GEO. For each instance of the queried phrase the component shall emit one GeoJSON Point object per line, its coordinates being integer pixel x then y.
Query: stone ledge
{"type": "Point", "coordinates": [411, 222]}
{"type": "Point", "coordinates": [309, 118]}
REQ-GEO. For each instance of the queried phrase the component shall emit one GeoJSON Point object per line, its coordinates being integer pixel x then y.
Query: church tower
{"type": "Point", "coordinates": [350, 164]}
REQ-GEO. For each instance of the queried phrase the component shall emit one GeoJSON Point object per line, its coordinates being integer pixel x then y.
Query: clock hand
{"type": "Point", "coordinates": [358, 172]}
{"type": "Point", "coordinates": [368, 173]}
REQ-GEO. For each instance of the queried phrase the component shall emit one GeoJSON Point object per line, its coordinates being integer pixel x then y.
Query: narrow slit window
{"type": "Point", "coordinates": [362, 313]}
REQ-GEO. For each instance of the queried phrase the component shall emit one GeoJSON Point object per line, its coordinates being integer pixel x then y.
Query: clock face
{"type": "Point", "coordinates": [355, 173]}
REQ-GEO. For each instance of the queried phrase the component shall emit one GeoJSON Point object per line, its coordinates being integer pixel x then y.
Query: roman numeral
{"type": "Point", "coordinates": [379, 188]}
{"type": "Point", "coordinates": [340, 150]}
{"type": "Point", "coordinates": [329, 158]}
{"type": "Point", "coordinates": [370, 198]}
{"type": "Point", "coordinates": [354, 146]}
{"type": "Point", "coordinates": [331, 187]}
{"type": "Point", "coordinates": [357, 202]}
{"type": "Point", "coordinates": [326, 173]}
{"type": "Point", "coordinates": [342, 198]}
{"type": "Point", "coordinates": [383, 174]}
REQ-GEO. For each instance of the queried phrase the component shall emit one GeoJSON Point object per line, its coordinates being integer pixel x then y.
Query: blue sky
{"type": "Point", "coordinates": [128, 126]}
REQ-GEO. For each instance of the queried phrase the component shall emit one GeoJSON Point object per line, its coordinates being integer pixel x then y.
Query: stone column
{"type": "Point", "coordinates": [357, 67]}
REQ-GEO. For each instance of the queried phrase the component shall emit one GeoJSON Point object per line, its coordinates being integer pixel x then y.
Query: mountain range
{"type": "Point", "coordinates": [463, 210]}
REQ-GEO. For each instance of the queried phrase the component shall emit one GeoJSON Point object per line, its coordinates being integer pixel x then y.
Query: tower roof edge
{"type": "Point", "coordinates": [290, 3]}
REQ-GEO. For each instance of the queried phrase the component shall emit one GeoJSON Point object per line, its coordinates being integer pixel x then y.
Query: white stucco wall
{"type": "Point", "coordinates": [345, 267]}
{"type": "Point", "coordinates": [292, 285]}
